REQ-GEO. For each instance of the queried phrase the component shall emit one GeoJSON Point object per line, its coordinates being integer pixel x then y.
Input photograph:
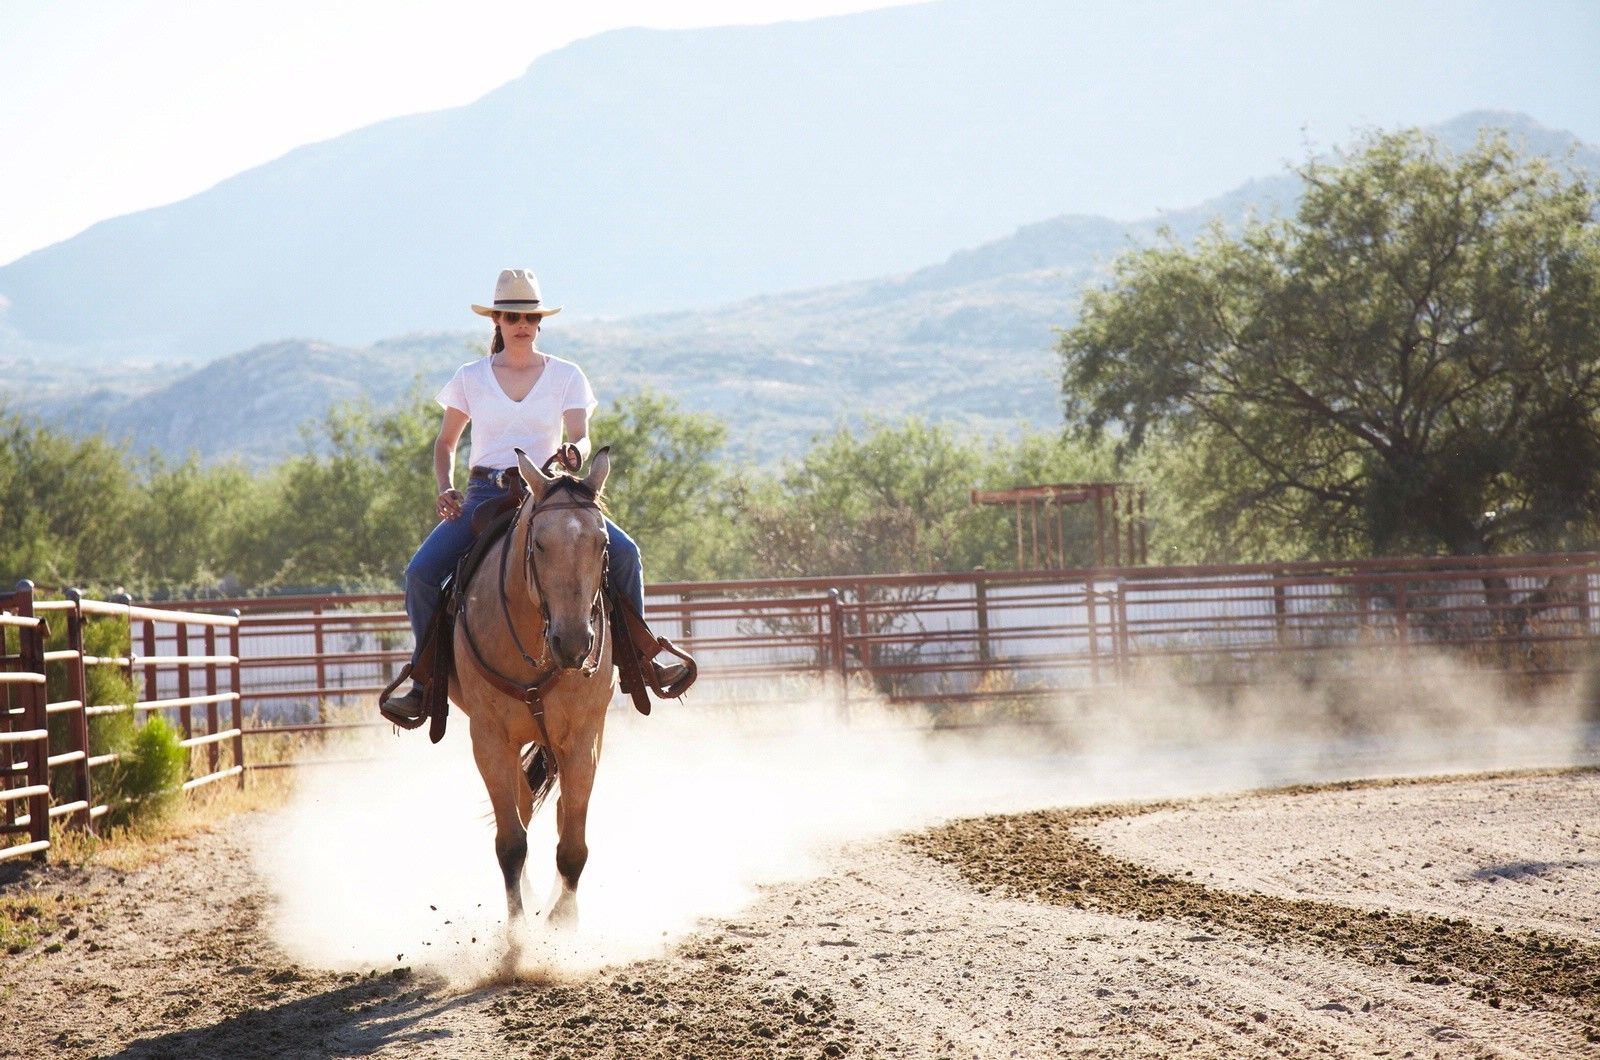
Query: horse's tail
{"type": "Point", "coordinates": [539, 765]}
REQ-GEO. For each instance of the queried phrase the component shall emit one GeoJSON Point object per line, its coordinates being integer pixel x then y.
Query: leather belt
{"type": "Point", "coordinates": [495, 476]}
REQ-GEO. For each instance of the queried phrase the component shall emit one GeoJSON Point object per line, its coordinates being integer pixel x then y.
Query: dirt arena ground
{"type": "Point", "coordinates": [1443, 917]}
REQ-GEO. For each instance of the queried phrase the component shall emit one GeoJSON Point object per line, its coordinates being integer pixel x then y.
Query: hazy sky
{"type": "Point", "coordinates": [112, 106]}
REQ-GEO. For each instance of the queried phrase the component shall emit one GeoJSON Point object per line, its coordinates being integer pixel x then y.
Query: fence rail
{"type": "Point", "coordinates": [270, 666]}
{"type": "Point", "coordinates": [61, 785]}
{"type": "Point", "coordinates": [971, 635]}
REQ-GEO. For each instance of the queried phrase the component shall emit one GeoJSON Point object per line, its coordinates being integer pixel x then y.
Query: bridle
{"type": "Point", "coordinates": [533, 690]}
{"type": "Point", "coordinates": [581, 497]}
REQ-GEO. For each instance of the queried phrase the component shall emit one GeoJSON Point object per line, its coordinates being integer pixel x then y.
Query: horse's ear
{"type": "Point", "coordinates": [533, 475]}
{"type": "Point", "coordinates": [599, 468]}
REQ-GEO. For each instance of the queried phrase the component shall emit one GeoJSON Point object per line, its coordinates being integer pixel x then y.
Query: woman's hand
{"type": "Point", "coordinates": [569, 457]}
{"type": "Point", "coordinates": [449, 503]}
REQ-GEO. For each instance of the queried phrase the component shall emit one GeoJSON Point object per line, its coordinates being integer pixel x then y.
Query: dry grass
{"type": "Point", "coordinates": [27, 918]}
{"type": "Point", "coordinates": [138, 844]}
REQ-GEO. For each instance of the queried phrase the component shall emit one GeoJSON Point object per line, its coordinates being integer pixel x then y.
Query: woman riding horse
{"type": "Point", "coordinates": [517, 397]}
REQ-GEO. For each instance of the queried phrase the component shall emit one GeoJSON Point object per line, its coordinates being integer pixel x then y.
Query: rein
{"type": "Point", "coordinates": [583, 498]}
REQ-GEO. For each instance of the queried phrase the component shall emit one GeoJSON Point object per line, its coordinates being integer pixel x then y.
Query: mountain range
{"type": "Point", "coordinates": [968, 341]}
{"type": "Point", "coordinates": [650, 172]}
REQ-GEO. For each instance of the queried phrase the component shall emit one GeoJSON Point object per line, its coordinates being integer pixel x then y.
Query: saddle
{"type": "Point", "coordinates": [633, 645]}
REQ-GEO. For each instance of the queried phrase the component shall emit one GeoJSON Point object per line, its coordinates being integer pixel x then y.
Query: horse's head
{"type": "Point", "coordinates": [564, 553]}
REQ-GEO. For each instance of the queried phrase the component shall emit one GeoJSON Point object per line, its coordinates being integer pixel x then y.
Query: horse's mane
{"type": "Point", "coordinates": [568, 481]}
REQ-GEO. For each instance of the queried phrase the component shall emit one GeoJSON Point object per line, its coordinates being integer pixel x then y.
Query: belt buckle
{"type": "Point", "coordinates": [496, 478]}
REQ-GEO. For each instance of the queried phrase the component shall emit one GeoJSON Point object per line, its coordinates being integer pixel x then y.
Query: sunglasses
{"type": "Point", "coordinates": [517, 318]}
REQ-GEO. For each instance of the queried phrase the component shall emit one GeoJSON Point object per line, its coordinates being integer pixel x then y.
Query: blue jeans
{"type": "Point", "coordinates": [437, 558]}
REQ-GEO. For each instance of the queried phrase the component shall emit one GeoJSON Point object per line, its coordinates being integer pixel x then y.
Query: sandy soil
{"type": "Point", "coordinates": [1077, 933]}
{"type": "Point", "coordinates": [1533, 861]}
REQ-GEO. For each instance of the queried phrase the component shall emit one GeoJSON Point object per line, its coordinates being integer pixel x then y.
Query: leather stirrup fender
{"type": "Point", "coordinates": [634, 649]}
{"type": "Point", "coordinates": [432, 668]}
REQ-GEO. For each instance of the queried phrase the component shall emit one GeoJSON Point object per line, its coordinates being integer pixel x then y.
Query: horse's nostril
{"type": "Point", "coordinates": [555, 643]}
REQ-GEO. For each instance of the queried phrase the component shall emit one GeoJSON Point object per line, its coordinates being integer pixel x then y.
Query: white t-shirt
{"type": "Point", "coordinates": [498, 423]}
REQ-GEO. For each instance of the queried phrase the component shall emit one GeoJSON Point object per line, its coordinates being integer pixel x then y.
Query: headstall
{"type": "Point", "coordinates": [583, 498]}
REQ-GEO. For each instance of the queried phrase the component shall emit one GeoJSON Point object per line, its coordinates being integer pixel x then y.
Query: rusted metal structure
{"type": "Point", "coordinates": [1041, 523]}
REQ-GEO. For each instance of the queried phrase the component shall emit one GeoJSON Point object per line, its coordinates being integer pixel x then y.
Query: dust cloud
{"type": "Point", "coordinates": [390, 861]}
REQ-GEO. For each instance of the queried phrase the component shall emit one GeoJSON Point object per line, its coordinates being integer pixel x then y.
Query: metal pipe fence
{"type": "Point", "coordinates": [46, 753]}
{"type": "Point", "coordinates": [981, 634]}
{"type": "Point", "coordinates": [313, 664]}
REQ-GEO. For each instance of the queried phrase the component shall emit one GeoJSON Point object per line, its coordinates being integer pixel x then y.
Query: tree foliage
{"type": "Point", "coordinates": [668, 485]}
{"type": "Point", "coordinates": [1411, 363]}
{"type": "Point", "coordinates": [897, 498]}
{"type": "Point", "coordinates": [184, 522]}
{"type": "Point", "coordinates": [354, 506]}
{"type": "Point", "coordinates": [64, 506]}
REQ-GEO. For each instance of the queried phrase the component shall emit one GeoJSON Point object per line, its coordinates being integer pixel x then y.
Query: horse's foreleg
{"type": "Point", "coordinates": [502, 776]}
{"type": "Point", "coordinates": [572, 817]}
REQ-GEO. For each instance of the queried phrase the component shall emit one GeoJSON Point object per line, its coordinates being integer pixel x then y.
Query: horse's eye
{"type": "Point", "coordinates": [539, 545]}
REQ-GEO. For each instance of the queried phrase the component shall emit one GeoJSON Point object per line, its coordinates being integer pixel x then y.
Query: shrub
{"type": "Point", "coordinates": [137, 786]}
{"type": "Point", "coordinates": [152, 771]}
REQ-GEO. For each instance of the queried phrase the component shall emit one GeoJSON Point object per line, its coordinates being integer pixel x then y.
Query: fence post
{"type": "Point", "coordinates": [1583, 603]}
{"type": "Point", "coordinates": [78, 689]}
{"type": "Point", "coordinates": [319, 644]}
{"type": "Point", "coordinates": [864, 653]}
{"type": "Point", "coordinates": [185, 712]}
{"type": "Point", "coordinates": [30, 648]}
{"type": "Point", "coordinates": [1402, 626]}
{"type": "Point", "coordinates": [1094, 640]}
{"type": "Point", "coordinates": [1280, 607]}
{"type": "Point", "coordinates": [841, 665]}
{"type": "Point", "coordinates": [150, 695]}
{"type": "Point", "coordinates": [1124, 642]}
{"type": "Point", "coordinates": [238, 697]}
{"type": "Point", "coordinates": [213, 715]}
{"type": "Point", "coordinates": [980, 594]}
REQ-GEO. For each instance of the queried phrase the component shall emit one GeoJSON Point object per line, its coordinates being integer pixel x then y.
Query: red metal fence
{"type": "Point", "coordinates": [42, 760]}
{"type": "Point", "coordinates": [291, 661]}
{"type": "Point", "coordinates": [920, 637]}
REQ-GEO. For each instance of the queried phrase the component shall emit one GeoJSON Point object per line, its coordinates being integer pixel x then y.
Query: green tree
{"type": "Point", "coordinates": [64, 507]}
{"type": "Point", "coordinates": [1411, 363]}
{"type": "Point", "coordinates": [354, 506]}
{"type": "Point", "coordinates": [897, 498]}
{"type": "Point", "coordinates": [894, 498]}
{"type": "Point", "coordinates": [183, 520]}
{"type": "Point", "coordinates": [667, 486]}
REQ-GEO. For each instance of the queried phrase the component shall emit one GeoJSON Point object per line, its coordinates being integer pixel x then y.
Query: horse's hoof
{"type": "Point", "coordinates": [564, 915]}
{"type": "Point", "coordinates": [511, 960]}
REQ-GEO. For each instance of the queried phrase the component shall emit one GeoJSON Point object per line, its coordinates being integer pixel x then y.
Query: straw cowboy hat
{"type": "Point", "coordinates": [516, 291]}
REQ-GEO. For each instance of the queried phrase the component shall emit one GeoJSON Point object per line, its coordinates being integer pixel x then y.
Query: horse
{"type": "Point", "coordinates": [541, 585]}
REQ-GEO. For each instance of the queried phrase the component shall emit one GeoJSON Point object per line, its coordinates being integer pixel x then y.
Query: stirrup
{"type": "Point", "coordinates": [407, 711]}
{"type": "Point", "coordinates": [671, 680]}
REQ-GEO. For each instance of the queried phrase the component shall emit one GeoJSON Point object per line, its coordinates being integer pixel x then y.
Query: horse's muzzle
{"type": "Point", "coordinates": [571, 650]}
